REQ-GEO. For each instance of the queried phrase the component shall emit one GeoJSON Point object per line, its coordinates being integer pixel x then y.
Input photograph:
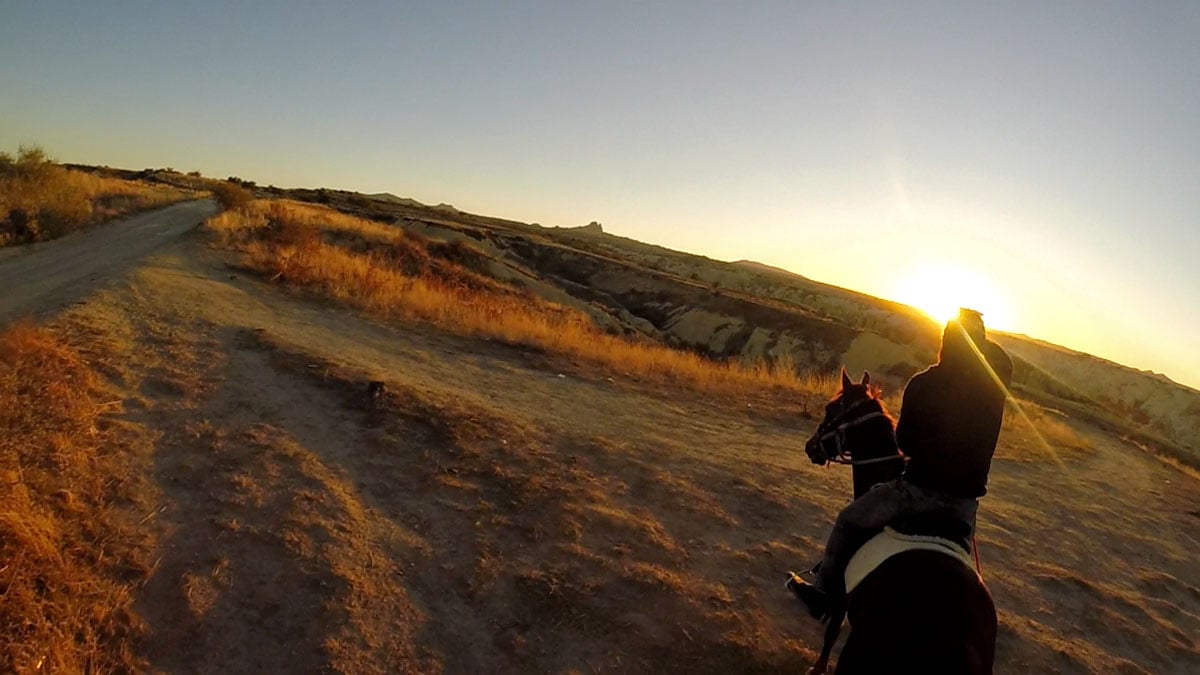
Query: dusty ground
{"type": "Point", "coordinates": [490, 515]}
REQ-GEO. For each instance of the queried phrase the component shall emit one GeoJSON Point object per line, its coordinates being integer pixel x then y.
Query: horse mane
{"type": "Point", "coordinates": [873, 393]}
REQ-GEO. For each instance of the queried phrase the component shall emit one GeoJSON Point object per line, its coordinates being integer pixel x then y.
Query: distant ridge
{"type": "Point", "coordinates": [770, 269]}
{"type": "Point", "coordinates": [389, 197]}
{"type": "Point", "coordinates": [1067, 351]}
{"type": "Point", "coordinates": [591, 228]}
{"type": "Point", "coordinates": [407, 201]}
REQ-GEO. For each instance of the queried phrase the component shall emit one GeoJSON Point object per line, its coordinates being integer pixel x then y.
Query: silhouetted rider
{"type": "Point", "coordinates": [949, 424]}
{"type": "Point", "coordinates": [951, 414]}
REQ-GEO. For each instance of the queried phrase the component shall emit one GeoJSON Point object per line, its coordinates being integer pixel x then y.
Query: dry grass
{"type": "Point", "coordinates": [1034, 433]}
{"type": "Point", "coordinates": [61, 610]}
{"type": "Point", "coordinates": [42, 200]}
{"type": "Point", "coordinates": [390, 273]}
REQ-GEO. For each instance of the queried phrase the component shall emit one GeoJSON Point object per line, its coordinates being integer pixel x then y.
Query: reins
{"type": "Point", "coordinates": [864, 462]}
{"type": "Point", "coordinates": [838, 434]}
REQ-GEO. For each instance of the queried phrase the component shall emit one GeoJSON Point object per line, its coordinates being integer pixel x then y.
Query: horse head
{"type": "Point", "coordinates": [854, 405]}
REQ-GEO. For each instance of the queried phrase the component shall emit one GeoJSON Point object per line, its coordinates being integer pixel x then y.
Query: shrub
{"type": "Point", "coordinates": [71, 209]}
{"type": "Point", "coordinates": [231, 196]}
{"type": "Point", "coordinates": [22, 224]}
{"type": "Point", "coordinates": [287, 230]}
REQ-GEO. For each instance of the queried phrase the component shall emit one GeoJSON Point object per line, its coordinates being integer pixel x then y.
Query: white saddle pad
{"type": "Point", "coordinates": [890, 542]}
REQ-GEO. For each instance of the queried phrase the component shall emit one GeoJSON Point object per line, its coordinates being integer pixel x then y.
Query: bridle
{"type": "Point", "coordinates": [835, 430]}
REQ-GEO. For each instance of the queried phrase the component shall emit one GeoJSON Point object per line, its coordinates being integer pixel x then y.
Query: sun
{"type": "Point", "coordinates": [940, 289]}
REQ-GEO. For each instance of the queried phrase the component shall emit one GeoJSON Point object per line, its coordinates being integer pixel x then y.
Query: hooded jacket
{"type": "Point", "coordinates": [951, 414]}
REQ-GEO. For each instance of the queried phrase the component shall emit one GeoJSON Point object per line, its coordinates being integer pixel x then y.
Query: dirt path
{"type": "Point", "coordinates": [492, 516]}
{"type": "Point", "coordinates": [43, 278]}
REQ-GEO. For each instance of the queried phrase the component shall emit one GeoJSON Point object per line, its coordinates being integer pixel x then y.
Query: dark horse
{"type": "Point", "coordinates": [920, 610]}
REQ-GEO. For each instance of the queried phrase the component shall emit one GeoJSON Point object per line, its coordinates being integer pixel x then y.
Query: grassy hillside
{"type": "Point", "coordinates": [754, 312]}
{"type": "Point", "coordinates": [715, 308]}
{"type": "Point", "coordinates": [1148, 408]}
{"type": "Point", "coordinates": [389, 272]}
{"type": "Point", "coordinates": [42, 200]}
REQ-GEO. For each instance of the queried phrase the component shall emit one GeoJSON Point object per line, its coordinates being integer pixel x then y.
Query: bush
{"type": "Point", "coordinates": [22, 224]}
{"type": "Point", "coordinates": [286, 230]}
{"type": "Point", "coordinates": [70, 211]}
{"type": "Point", "coordinates": [232, 196]}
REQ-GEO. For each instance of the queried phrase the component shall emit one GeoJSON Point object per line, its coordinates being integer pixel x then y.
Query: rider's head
{"type": "Point", "coordinates": [958, 336]}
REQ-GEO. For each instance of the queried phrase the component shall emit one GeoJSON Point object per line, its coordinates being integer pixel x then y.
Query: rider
{"type": "Point", "coordinates": [949, 424]}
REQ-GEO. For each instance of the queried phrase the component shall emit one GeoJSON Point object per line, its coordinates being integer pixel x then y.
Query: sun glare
{"type": "Point", "coordinates": [939, 290]}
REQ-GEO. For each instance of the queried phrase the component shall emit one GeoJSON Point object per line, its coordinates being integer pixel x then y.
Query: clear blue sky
{"type": "Point", "coordinates": [1050, 149]}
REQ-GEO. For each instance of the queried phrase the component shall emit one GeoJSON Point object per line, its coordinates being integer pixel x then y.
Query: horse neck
{"type": "Point", "coordinates": [880, 442]}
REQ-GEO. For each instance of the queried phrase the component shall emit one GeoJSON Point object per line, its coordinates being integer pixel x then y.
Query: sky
{"type": "Point", "coordinates": [1038, 161]}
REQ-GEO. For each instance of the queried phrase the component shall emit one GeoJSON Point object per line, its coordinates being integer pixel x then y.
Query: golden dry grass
{"type": "Point", "coordinates": [42, 200]}
{"type": "Point", "coordinates": [1034, 433]}
{"type": "Point", "coordinates": [61, 610]}
{"type": "Point", "coordinates": [387, 272]}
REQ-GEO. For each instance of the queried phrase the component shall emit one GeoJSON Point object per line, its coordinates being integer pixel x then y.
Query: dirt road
{"type": "Point", "coordinates": [43, 278]}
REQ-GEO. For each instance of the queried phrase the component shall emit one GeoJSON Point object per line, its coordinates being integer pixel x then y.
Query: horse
{"type": "Point", "coordinates": [914, 603]}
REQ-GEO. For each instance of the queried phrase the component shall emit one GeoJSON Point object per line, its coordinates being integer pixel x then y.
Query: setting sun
{"type": "Point", "coordinates": [939, 290]}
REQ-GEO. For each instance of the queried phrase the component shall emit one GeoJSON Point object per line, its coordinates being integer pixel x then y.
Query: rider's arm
{"type": "Point", "coordinates": [914, 418]}
{"type": "Point", "coordinates": [1000, 362]}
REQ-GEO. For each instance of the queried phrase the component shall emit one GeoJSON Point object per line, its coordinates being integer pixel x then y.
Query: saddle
{"type": "Point", "coordinates": [891, 542]}
{"type": "Point", "coordinates": [936, 524]}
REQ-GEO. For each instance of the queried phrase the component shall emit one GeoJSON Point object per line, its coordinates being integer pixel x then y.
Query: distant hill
{"type": "Point", "coordinates": [1146, 401]}
{"type": "Point", "coordinates": [389, 197]}
{"type": "Point", "coordinates": [749, 310]}
{"type": "Point", "coordinates": [1068, 352]}
{"type": "Point", "coordinates": [769, 269]}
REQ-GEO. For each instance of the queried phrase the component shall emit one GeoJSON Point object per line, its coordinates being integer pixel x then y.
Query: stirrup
{"type": "Point", "coordinates": [815, 600]}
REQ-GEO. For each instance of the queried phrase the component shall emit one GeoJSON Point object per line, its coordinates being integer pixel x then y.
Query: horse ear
{"type": "Point", "coordinates": [866, 381]}
{"type": "Point", "coordinates": [846, 381]}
